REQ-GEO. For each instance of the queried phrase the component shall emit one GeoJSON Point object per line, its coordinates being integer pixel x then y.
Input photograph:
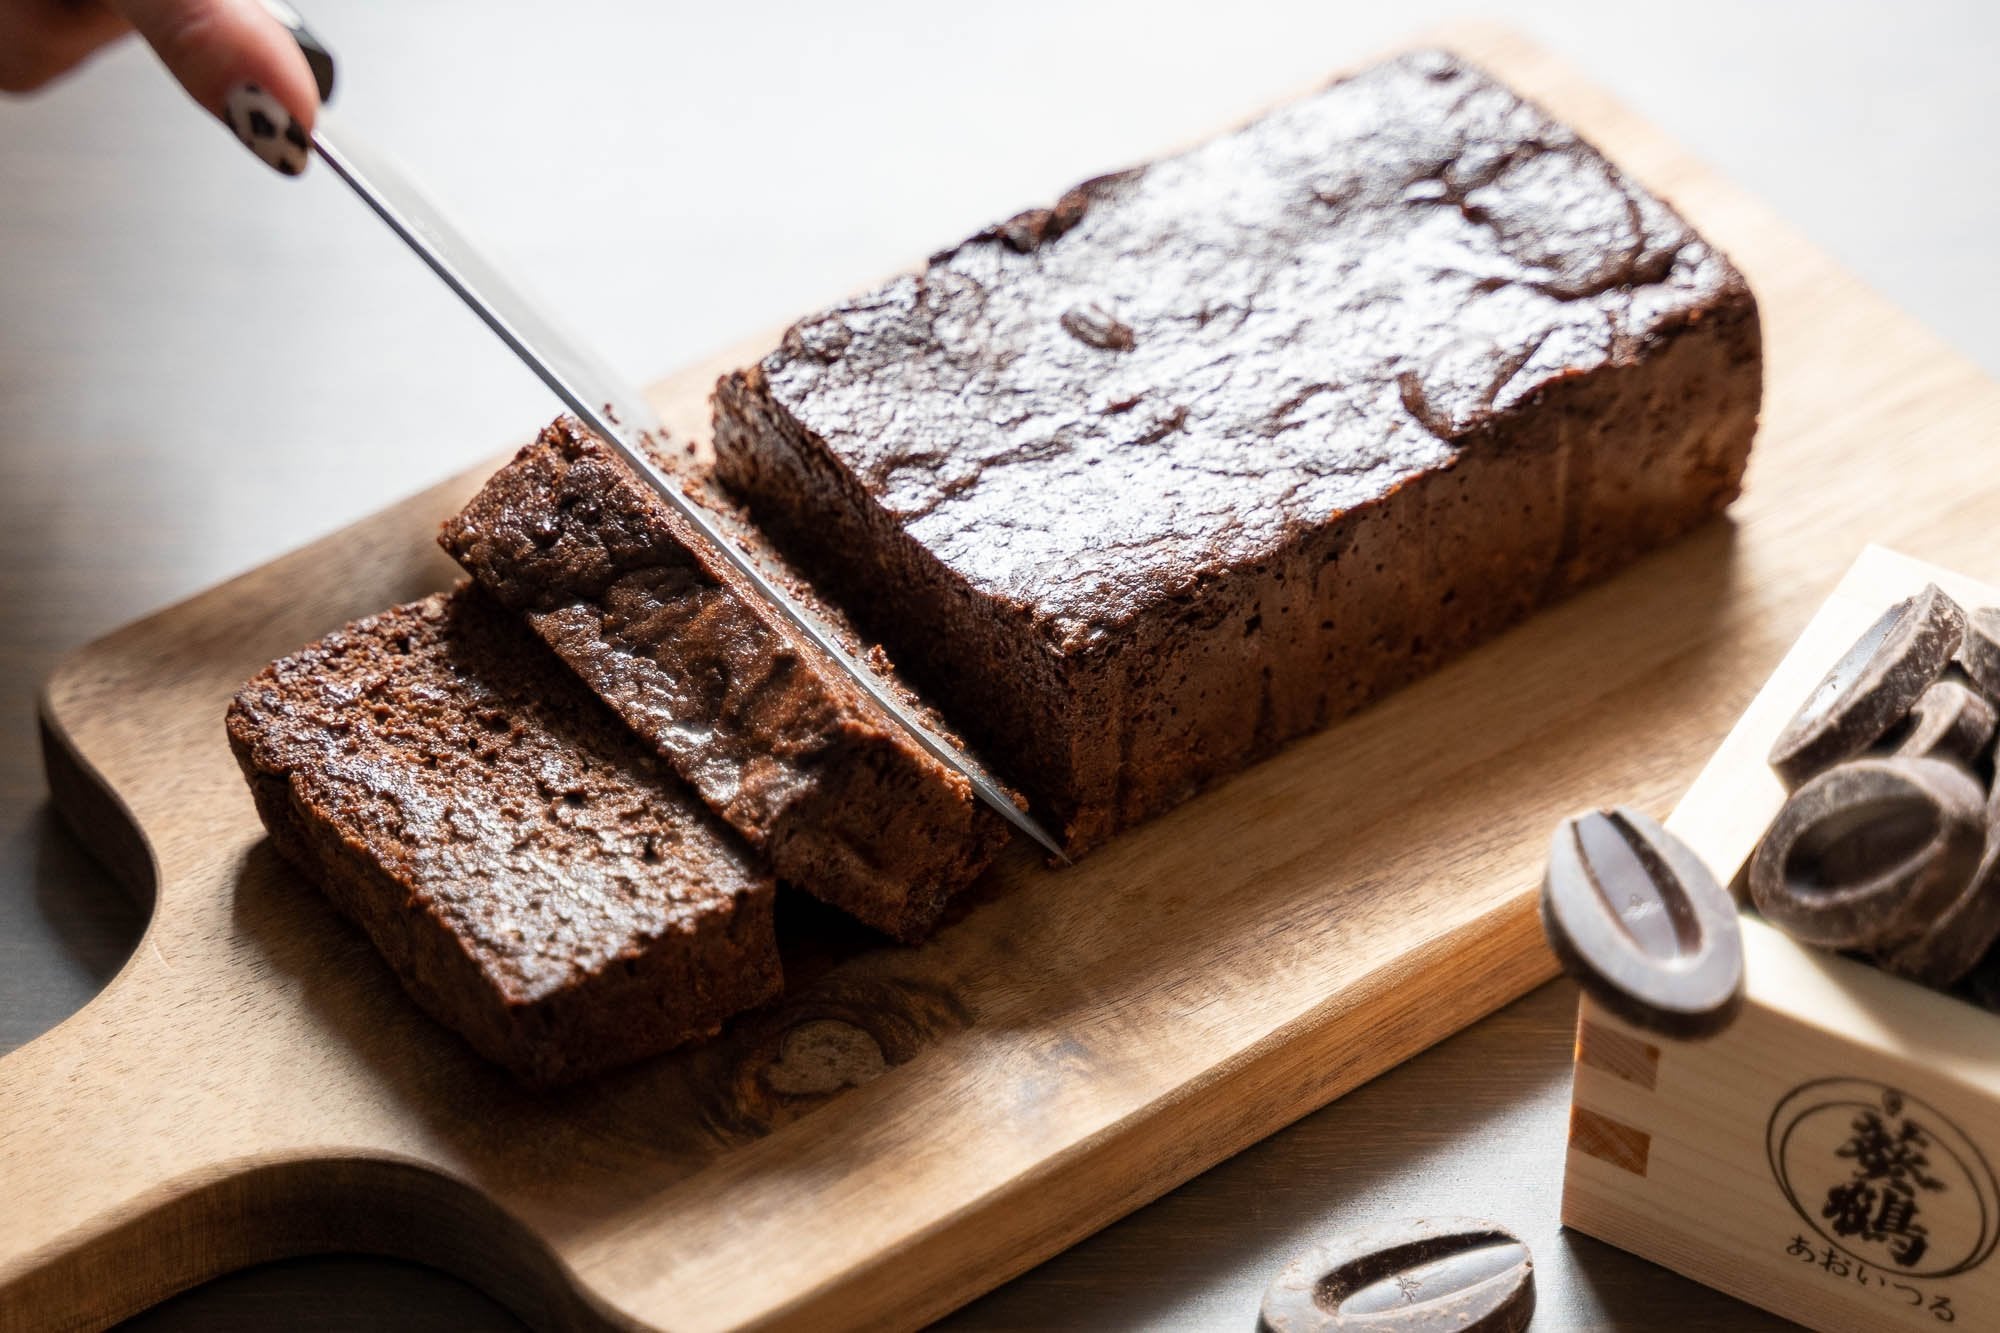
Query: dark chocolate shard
{"type": "Point", "coordinates": [1430, 1275]}
{"type": "Point", "coordinates": [1642, 924]}
{"type": "Point", "coordinates": [1867, 854]}
{"type": "Point", "coordinates": [1872, 687]}
{"type": "Point", "coordinates": [1980, 653]}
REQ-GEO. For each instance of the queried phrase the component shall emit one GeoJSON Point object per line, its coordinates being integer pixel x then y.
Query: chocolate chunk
{"type": "Point", "coordinates": [1980, 653]}
{"type": "Point", "coordinates": [1867, 854]}
{"type": "Point", "coordinates": [1642, 924]}
{"type": "Point", "coordinates": [1949, 721]}
{"type": "Point", "coordinates": [1871, 688]}
{"type": "Point", "coordinates": [1952, 944]}
{"type": "Point", "coordinates": [1431, 1275]}
{"type": "Point", "coordinates": [1957, 939]}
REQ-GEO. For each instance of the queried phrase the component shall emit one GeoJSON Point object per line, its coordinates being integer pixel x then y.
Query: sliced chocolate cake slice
{"type": "Point", "coordinates": [537, 878]}
{"type": "Point", "coordinates": [775, 737]}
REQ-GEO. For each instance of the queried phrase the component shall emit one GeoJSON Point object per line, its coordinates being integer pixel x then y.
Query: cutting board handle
{"type": "Point", "coordinates": [129, 1171]}
{"type": "Point", "coordinates": [102, 1163]}
{"type": "Point", "coordinates": [142, 1152]}
{"type": "Point", "coordinates": [129, 1168]}
{"type": "Point", "coordinates": [109, 1137]}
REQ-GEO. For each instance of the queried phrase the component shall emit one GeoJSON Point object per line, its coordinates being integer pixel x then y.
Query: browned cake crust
{"type": "Point", "coordinates": [535, 877]}
{"type": "Point", "coordinates": [1217, 450]}
{"type": "Point", "coordinates": [772, 734]}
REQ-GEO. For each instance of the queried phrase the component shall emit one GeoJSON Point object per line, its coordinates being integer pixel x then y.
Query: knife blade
{"type": "Point", "coordinates": [589, 387]}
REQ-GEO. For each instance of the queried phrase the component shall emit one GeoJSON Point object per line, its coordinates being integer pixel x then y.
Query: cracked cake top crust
{"type": "Point", "coordinates": [1177, 366]}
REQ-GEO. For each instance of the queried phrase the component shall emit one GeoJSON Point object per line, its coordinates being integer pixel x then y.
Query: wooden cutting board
{"type": "Point", "coordinates": [253, 1084]}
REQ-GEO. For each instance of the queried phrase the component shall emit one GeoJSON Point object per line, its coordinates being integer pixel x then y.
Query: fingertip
{"type": "Point", "coordinates": [267, 128]}
{"type": "Point", "coordinates": [217, 47]}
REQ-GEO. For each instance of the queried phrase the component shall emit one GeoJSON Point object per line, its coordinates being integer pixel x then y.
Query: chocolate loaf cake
{"type": "Point", "coordinates": [778, 741]}
{"type": "Point", "coordinates": [535, 876]}
{"type": "Point", "coordinates": [1219, 449]}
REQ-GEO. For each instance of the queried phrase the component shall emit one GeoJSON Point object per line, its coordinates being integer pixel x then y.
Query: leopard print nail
{"type": "Point", "coordinates": [266, 128]}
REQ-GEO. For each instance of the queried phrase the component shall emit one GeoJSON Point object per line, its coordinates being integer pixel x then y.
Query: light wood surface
{"type": "Point", "coordinates": [1670, 1156]}
{"type": "Point", "coordinates": [1682, 639]}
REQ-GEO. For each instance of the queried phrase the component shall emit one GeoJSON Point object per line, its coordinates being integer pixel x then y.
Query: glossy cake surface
{"type": "Point", "coordinates": [1086, 433]}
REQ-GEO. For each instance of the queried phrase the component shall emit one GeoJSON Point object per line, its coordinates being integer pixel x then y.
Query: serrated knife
{"type": "Point", "coordinates": [620, 415]}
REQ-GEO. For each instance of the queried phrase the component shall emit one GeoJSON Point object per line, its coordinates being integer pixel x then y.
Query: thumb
{"type": "Point", "coordinates": [241, 64]}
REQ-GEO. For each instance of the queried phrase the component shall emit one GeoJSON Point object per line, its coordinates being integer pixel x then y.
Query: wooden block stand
{"type": "Point", "coordinates": [1766, 1161]}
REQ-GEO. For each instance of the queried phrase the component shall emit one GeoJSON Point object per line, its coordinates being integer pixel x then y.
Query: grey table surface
{"type": "Point", "coordinates": [202, 365]}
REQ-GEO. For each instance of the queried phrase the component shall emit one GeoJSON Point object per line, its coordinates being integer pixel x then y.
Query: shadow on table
{"type": "Point", "coordinates": [86, 908]}
{"type": "Point", "coordinates": [1202, 1256]}
{"type": "Point", "coordinates": [66, 926]}
{"type": "Point", "coordinates": [1475, 1126]}
{"type": "Point", "coordinates": [331, 1294]}
{"type": "Point", "coordinates": [1623, 1291]}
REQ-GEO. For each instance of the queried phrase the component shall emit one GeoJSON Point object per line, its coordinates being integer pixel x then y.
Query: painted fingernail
{"type": "Point", "coordinates": [266, 128]}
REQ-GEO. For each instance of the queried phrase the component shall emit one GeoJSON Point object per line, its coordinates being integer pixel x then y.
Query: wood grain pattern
{"type": "Point", "coordinates": [1618, 1053]}
{"type": "Point", "coordinates": [1594, 1134]}
{"type": "Point", "coordinates": [252, 1084]}
{"type": "Point", "coordinates": [1712, 1206]}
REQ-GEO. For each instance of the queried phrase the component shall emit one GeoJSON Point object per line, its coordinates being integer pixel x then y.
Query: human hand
{"type": "Point", "coordinates": [232, 57]}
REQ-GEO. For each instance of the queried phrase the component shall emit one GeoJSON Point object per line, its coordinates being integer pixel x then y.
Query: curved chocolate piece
{"type": "Point", "coordinates": [1956, 941]}
{"type": "Point", "coordinates": [1867, 854]}
{"type": "Point", "coordinates": [1642, 924]}
{"type": "Point", "coordinates": [1432, 1275]}
{"type": "Point", "coordinates": [1870, 689]}
{"type": "Point", "coordinates": [1951, 945]}
{"type": "Point", "coordinates": [1980, 653]}
{"type": "Point", "coordinates": [1948, 721]}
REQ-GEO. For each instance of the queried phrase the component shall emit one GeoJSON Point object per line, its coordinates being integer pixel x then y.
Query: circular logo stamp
{"type": "Point", "coordinates": [1884, 1176]}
